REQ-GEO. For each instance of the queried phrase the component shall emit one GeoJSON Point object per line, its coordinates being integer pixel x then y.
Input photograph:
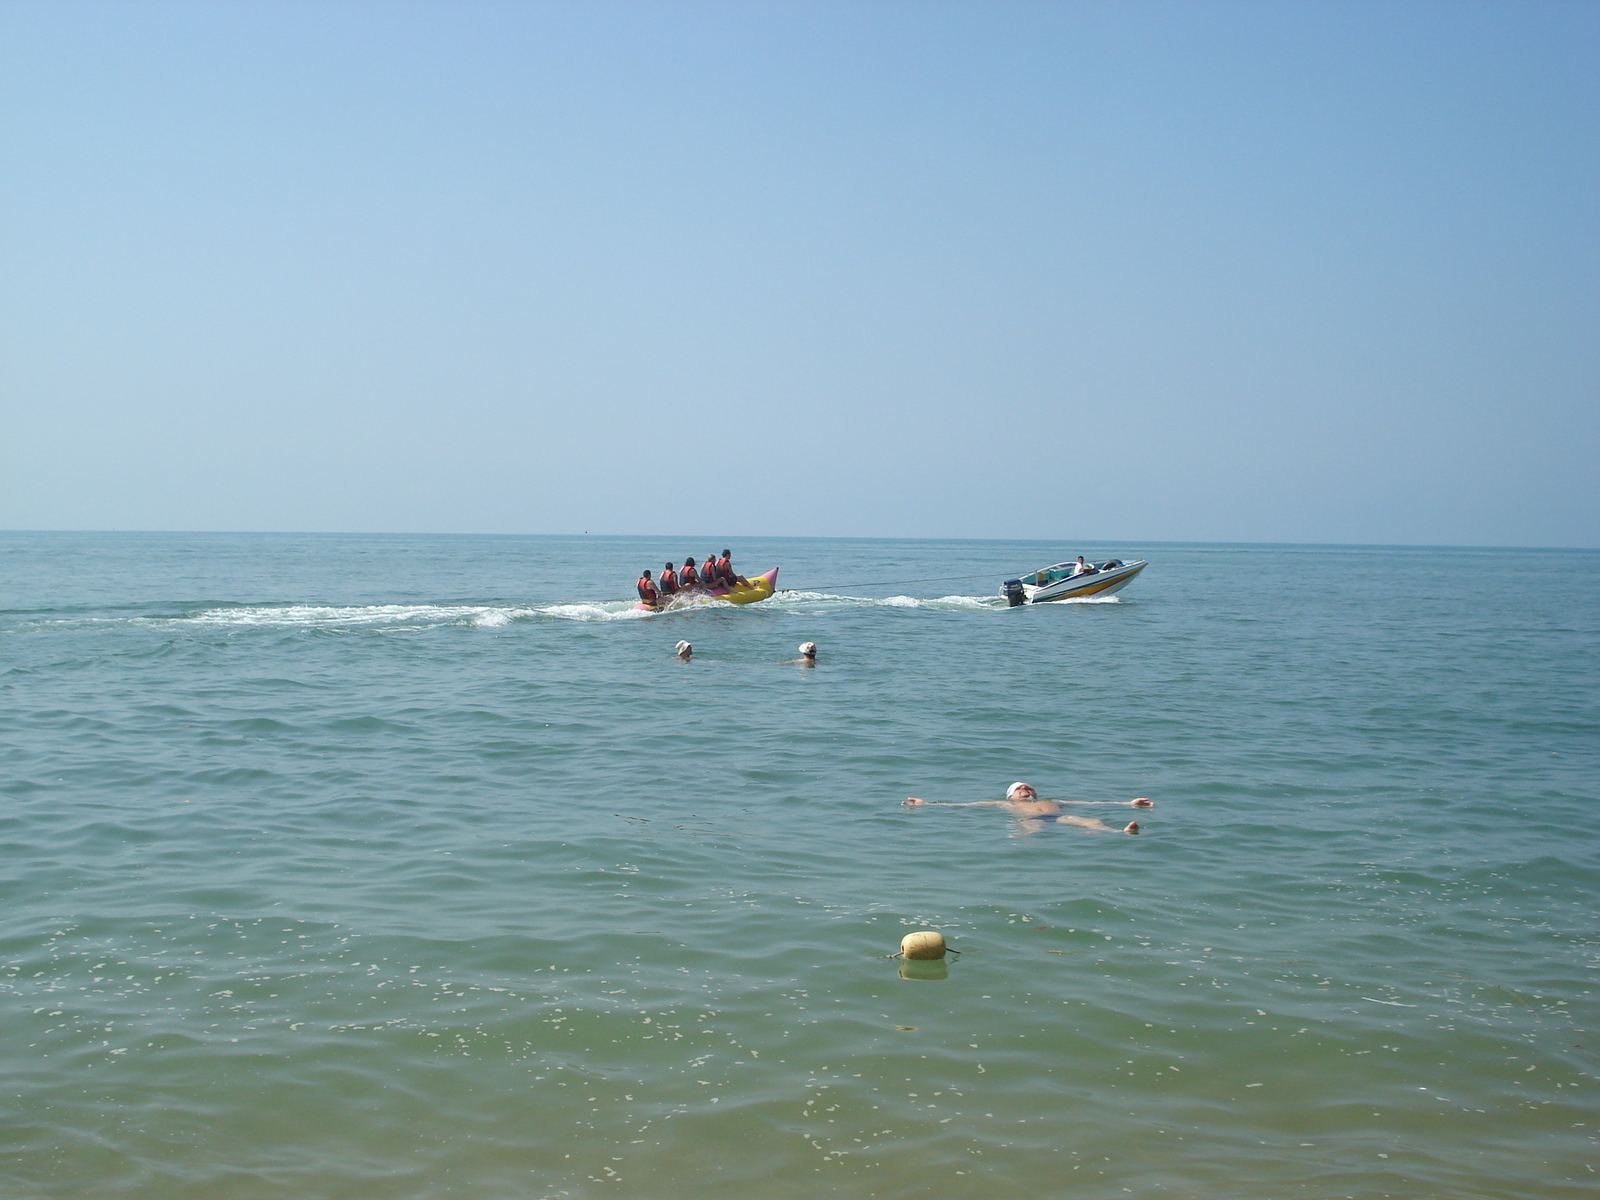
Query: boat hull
{"type": "Point", "coordinates": [755, 590]}
{"type": "Point", "coordinates": [1078, 587]}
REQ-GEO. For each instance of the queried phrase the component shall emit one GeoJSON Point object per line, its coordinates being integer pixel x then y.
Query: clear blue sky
{"type": "Point", "coordinates": [1218, 272]}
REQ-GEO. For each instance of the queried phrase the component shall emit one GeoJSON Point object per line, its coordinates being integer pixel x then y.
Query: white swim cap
{"type": "Point", "coordinates": [1017, 787]}
{"type": "Point", "coordinates": [681, 647]}
{"type": "Point", "coordinates": [808, 647]}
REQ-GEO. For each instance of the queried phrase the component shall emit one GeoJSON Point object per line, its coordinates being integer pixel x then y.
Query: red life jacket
{"type": "Point", "coordinates": [687, 577]}
{"type": "Point", "coordinates": [648, 593]}
{"type": "Point", "coordinates": [725, 569]}
{"type": "Point", "coordinates": [669, 582]}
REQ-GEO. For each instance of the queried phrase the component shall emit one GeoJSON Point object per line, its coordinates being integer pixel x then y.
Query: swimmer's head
{"type": "Point", "coordinates": [809, 649]}
{"type": "Point", "coordinates": [1021, 791]}
{"type": "Point", "coordinates": [683, 649]}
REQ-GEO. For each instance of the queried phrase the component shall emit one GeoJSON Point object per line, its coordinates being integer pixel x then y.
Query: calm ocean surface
{"type": "Point", "coordinates": [403, 867]}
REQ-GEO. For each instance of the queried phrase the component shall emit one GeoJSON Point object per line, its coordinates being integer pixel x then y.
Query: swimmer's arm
{"type": "Point", "coordinates": [912, 802]}
{"type": "Point", "coordinates": [1141, 802]}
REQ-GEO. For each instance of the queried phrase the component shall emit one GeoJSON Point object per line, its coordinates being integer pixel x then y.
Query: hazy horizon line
{"type": "Point", "coordinates": [335, 533]}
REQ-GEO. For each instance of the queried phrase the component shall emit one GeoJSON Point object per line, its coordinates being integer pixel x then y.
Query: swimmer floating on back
{"type": "Point", "coordinates": [1024, 804]}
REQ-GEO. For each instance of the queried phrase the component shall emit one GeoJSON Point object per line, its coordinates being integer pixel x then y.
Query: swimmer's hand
{"type": "Point", "coordinates": [1141, 802]}
{"type": "Point", "coordinates": [911, 802]}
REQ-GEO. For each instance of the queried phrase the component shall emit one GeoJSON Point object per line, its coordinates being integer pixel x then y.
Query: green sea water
{"type": "Point", "coordinates": [403, 867]}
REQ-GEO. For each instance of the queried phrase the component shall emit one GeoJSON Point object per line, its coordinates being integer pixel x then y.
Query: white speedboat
{"type": "Point", "coordinates": [1065, 581]}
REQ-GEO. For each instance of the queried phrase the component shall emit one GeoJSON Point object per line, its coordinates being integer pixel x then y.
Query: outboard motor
{"type": "Point", "coordinates": [1011, 589]}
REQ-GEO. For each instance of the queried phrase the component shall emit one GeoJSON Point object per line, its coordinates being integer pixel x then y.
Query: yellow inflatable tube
{"type": "Point", "coordinates": [758, 589]}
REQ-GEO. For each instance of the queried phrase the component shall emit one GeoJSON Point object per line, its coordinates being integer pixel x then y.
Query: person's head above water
{"type": "Point", "coordinates": [1021, 791]}
{"type": "Point", "coordinates": [683, 650]}
{"type": "Point", "coordinates": [809, 649]}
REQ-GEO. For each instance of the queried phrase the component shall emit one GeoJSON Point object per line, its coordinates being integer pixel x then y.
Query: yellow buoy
{"type": "Point", "coordinates": [925, 943]}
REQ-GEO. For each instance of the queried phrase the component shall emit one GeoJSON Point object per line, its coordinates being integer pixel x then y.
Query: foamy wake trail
{"type": "Point", "coordinates": [306, 616]}
{"type": "Point", "coordinates": [830, 599]}
{"type": "Point", "coordinates": [409, 616]}
{"type": "Point", "coordinates": [595, 610]}
{"type": "Point", "coordinates": [491, 616]}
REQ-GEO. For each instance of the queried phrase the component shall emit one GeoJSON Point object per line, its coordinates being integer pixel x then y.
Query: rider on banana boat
{"type": "Point", "coordinates": [729, 577]}
{"type": "Point", "coordinates": [648, 591]}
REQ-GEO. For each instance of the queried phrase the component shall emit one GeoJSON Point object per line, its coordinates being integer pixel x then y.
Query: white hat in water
{"type": "Point", "coordinates": [682, 648]}
{"type": "Point", "coordinates": [1018, 787]}
{"type": "Point", "coordinates": [808, 648]}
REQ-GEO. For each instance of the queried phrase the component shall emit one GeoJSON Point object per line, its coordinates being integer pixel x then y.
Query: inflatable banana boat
{"type": "Point", "coordinates": [755, 589]}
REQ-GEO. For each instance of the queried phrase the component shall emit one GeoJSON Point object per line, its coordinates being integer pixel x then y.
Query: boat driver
{"type": "Point", "coordinates": [1082, 568]}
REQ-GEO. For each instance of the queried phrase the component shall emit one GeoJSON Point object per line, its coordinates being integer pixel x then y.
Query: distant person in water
{"type": "Point", "coordinates": [648, 592]}
{"type": "Point", "coordinates": [808, 658]}
{"type": "Point", "coordinates": [1024, 804]}
{"type": "Point", "coordinates": [684, 651]}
